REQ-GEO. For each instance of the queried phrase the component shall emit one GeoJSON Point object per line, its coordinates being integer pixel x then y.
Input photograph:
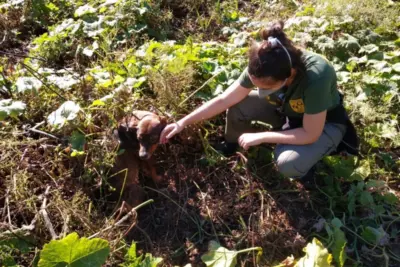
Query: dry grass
{"type": "Point", "coordinates": [376, 13]}
{"type": "Point", "coordinates": [171, 87]}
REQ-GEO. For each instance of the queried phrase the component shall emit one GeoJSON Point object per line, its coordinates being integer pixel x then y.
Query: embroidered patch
{"type": "Point", "coordinates": [297, 105]}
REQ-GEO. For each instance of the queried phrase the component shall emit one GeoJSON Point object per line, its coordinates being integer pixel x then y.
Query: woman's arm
{"type": "Point", "coordinates": [313, 125]}
{"type": "Point", "coordinates": [234, 94]}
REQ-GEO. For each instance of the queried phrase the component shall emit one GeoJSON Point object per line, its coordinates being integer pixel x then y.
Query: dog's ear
{"type": "Point", "coordinates": [126, 135]}
{"type": "Point", "coordinates": [132, 121]}
{"type": "Point", "coordinates": [163, 121]}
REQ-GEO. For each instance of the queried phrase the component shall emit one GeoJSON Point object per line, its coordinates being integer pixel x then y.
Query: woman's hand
{"type": "Point", "coordinates": [250, 139]}
{"type": "Point", "coordinates": [170, 130]}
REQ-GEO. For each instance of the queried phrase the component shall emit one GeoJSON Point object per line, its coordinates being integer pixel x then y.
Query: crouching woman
{"type": "Point", "coordinates": [296, 94]}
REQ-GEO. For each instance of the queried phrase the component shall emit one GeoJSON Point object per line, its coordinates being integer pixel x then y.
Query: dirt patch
{"type": "Point", "coordinates": [200, 203]}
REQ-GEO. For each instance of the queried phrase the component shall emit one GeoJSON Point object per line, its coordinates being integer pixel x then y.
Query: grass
{"type": "Point", "coordinates": [241, 201]}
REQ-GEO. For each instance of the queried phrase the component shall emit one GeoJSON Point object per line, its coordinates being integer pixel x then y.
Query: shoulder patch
{"type": "Point", "coordinates": [297, 105]}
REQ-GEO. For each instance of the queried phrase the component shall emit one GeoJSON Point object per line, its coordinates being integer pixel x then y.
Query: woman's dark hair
{"type": "Point", "coordinates": [265, 61]}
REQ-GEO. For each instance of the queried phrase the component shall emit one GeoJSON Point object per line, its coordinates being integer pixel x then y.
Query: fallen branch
{"type": "Point", "coordinates": [132, 212]}
{"type": "Point", "coordinates": [46, 218]}
{"type": "Point", "coordinates": [33, 129]}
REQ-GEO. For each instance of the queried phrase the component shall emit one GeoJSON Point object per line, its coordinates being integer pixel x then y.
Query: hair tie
{"type": "Point", "coordinates": [273, 42]}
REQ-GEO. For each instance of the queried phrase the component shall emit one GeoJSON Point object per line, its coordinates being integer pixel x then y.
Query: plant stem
{"type": "Point", "coordinates": [198, 89]}
{"type": "Point", "coordinates": [143, 204]}
{"type": "Point", "coordinates": [123, 219]}
{"type": "Point", "coordinates": [249, 249]}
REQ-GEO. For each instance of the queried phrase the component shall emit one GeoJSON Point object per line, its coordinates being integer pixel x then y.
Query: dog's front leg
{"type": "Point", "coordinates": [151, 170]}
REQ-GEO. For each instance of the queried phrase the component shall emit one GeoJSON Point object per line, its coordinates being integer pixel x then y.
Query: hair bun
{"type": "Point", "coordinates": [274, 30]}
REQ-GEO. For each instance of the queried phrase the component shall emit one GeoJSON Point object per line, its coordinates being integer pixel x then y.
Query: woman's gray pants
{"type": "Point", "coordinates": [291, 160]}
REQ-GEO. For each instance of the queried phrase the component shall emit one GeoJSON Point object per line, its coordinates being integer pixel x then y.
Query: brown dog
{"type": "Point", "coordinates": [139, 136]}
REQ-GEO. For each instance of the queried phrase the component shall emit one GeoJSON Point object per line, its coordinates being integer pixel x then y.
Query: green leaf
{"type": "Point", "coordinates": [328, 229]}
{"type": "Point", "coordinates": [28, 84]}
{"type": "Point", "coordinates": [375, 184]}
{"type": "Point", "coordinates": [150, 261]}
{"type": "Point", "coordinates": [336, 222]}
{"type": "Point", "coordinates": [343, 76]}
{"type": "Point", "coordinates": [339, 245]}
{"type": "Point", "coordinates": [83, 10]}
{"type": "Point", "coordinates": [362, 171]}
{"type": "Point", "coordinates": [325, 43]}
{"type": "Point", "coordinates": [76, 153]}
{"type": "Point", "coordinates": [19, 239]}
{"type": "Point", "coordinates": [131, 259]}
{"type": "Point", "coordinates": [135, 82]}
{"type": "Point", "coordinates": [66, 112]}
{"type": "Point", "coordinates": [396, 67]}
{"type": "Point", "coordinates": [131, 254]}
{"type": "Point", "coordinates": [11, 108]}
{"type": "Point", "coordinates": [316, 255]}
{"type": "Point", "coordinates": [98, 102]}
{"type": "Point", "coordinates": [341, 167]}
{"type": "Point", "coordinates": [369, 49]}
{"type": "Point", "coordinates": [379, 210]}
{"type": "Point", "coordinates": [376, 236]}
{"type": "Point", "coordinates": [349, 42]}
{"type": "Point", "coordinates": [383, 130]}
{"type": "Point", "coordinates": [339, 242]}
{"type": "Point", "coordinates": [351, 206]}
{"type": "Point", "coordinates": [390, 199]}
{"type": "Point", "coordinates": [65, 82]}
{"type": "Point", "coordinates": [73, 251]}
{"type": "Point", "coordinates": [366, 199]}
{"type": "Point", "coordinates": [218, 256]}
{"type": "Point", "coordinates": [7, 260]}
{"type": "Point", "coordinates": [77, 140]}
{"type": "Point", "coordinates": [52, 7]}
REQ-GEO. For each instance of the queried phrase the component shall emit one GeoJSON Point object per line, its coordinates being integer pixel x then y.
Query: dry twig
{"type": "Point", "coordinates": [132, 212]}
{"type": "Point", "coordinates": [46, 218]}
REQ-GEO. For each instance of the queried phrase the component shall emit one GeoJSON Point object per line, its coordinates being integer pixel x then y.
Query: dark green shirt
{"type": "Point", "coordinates": [311, 92]}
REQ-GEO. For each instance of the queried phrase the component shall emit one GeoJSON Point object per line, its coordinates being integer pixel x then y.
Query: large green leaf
{"type": "Point", "coordinates": [84, 10]}
{"type": "Point", "coordinates": [349, 42]}
{"type": "Point", "coordinates": [73, 251]}
{"type": "Point", "coordinates": [66, 112]}
{"type": "Point", "coordinates": [369, 49]}
{"type": "Point", "coordinates": [28, 84]}
{"type": "Point", "coordinates": [316, 255]}
{"type": "Point", "coordinates": [347, 167]}
{"type": "Point", "coordinates": [218, 256]}
{"type": "Point", "coordinates": [362, 171]}
{"type": "Point", "coordinates": [10, 108]}
{"type": "Point", "coordinates": [65, 82]}
{"type": "Point", "coordinates": [325, 43]}
{"type": "Point", "coordinates": [377, 236]}
{"type": "Point", "coordinates": [341, 167]}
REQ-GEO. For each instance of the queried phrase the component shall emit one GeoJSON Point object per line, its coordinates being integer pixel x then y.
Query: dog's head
{"type": "Point", "coordinates": [141, 130]}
